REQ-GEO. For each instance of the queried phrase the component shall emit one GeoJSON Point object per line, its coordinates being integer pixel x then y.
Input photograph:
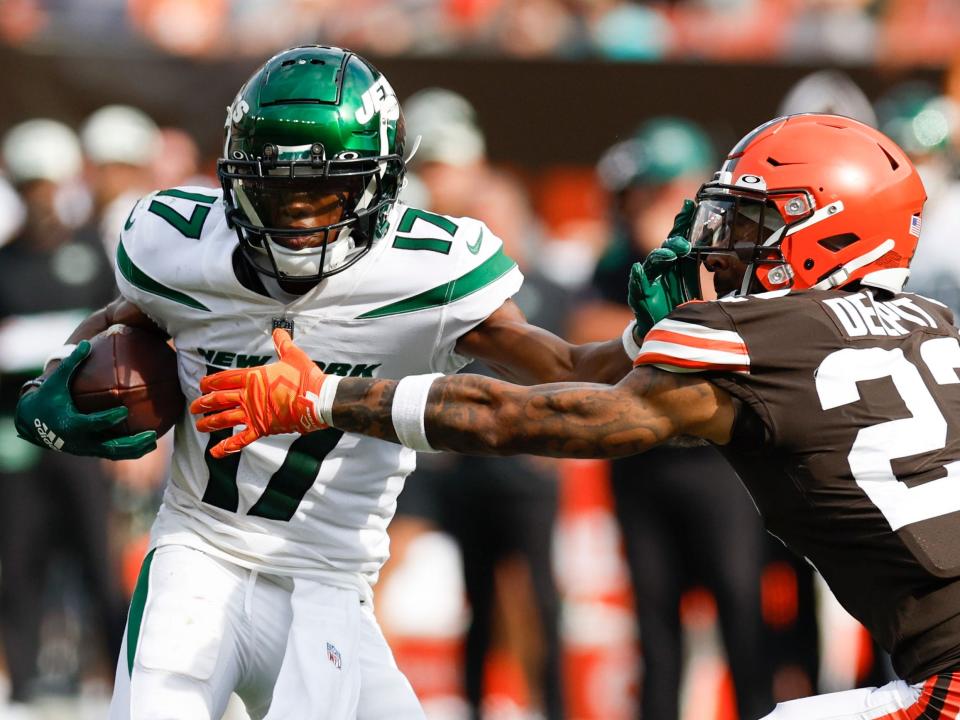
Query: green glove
{"type": "Point", "coordinates": [662, 281]}
{"type": "Point", "coordinates": [47, 417]}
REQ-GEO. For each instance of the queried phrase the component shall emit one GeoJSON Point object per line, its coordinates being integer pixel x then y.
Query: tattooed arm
{"type": "Point", "coordinates": [464, 413]}
{"type": "Point", "coordinates": [477, 415]}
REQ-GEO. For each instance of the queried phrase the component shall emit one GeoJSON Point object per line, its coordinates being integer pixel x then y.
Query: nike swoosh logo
{"type": "Point", "coordinates": [129, 223]}
{"type": "Point", "coordinates": [474, 247]}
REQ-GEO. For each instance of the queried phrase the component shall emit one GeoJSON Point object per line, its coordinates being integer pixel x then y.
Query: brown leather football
{"type": "Point", "coordinates": [132, 367]}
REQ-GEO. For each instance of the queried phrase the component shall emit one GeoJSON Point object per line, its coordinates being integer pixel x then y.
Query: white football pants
{"type": "Point", "coordinates": [938, 698]}
{"type": "Point", "coordinates": [200, 628]}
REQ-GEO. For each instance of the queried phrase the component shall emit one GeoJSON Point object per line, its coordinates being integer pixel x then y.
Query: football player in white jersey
{"type": "Point", "coordinates": [261, 564]}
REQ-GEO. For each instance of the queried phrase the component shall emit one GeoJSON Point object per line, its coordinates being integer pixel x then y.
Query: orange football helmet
{"type": "Point", "coordinates": [813, 201]}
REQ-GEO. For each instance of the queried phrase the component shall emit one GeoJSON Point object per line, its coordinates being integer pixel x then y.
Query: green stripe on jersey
{"type": "Point", "coordinates": [493, 268]}
{"type": "Point", "coordinates": [136, 276]}
{"type": "Point", "coordinates": [432, 244]}
{"type": "Point", "coordinates": [183, 195]}
{"type": "Point", "coordinates": [137, 603]}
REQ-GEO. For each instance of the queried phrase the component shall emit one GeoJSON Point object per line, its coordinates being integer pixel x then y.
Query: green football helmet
{"type": "Point", "coordinates": [312, 162]}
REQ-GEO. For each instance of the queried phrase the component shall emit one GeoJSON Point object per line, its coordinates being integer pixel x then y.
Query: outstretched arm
{"type": "Point", "coordinates": [527, 354]}
{"type": "Point", "coordinates": [477, 415]}
{"type": "Point", "coordinates": [464, 413]}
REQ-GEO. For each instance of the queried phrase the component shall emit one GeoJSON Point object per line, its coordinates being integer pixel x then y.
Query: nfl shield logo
{"type": "Point", "coordinates": [284, 323]}
{"type": "Point", "coordinates": [333, 655]}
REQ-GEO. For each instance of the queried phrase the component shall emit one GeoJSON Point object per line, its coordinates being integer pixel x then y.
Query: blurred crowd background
{"type": "Point", "coordinates": [574, 128]}
{"type": "Point", "coordinates": [884, 31]}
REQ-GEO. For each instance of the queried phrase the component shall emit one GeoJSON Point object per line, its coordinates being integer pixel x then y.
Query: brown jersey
{"type": "Point", "coordinates": [856, 462]}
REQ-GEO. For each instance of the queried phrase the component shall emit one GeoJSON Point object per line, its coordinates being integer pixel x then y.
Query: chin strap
{"type": "Point", "coordinates": [745, 283]}
{"type": "Point", "coordinates": [842, 274]}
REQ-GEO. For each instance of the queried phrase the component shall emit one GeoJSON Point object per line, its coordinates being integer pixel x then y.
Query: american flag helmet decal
{"type": "Point", "coordinates": [915, 225]}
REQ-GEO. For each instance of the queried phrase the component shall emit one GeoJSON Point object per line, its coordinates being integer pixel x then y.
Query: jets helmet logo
{"type": "Point", "coordinates": [237, 110]}
{"type": "Point", "coordinates": [379, 97]}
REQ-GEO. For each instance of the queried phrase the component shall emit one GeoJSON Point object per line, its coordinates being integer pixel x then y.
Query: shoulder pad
{"type": "Point", "coordinates": [433, 260]}
{"type": "Point", "coordinates": [162, 243]}
{"type": "Point", "coordinates": [697, 336]}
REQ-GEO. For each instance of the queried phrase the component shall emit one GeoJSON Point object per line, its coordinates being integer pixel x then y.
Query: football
{"type": "Point", "coordinates": [135, 368]}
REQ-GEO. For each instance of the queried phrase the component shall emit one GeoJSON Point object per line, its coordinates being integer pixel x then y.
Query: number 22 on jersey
{"type": "Point", "coordinates": [876, 446]}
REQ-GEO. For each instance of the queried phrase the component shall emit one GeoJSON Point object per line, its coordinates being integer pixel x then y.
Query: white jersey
{"type": "Point", "coordinates": [314, 505]}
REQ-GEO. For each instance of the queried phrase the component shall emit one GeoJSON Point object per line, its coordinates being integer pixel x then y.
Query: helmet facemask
{"type": "Point", "coordinates": [747, 226]}
{"type": "Point", "coordinates": [301, 217]}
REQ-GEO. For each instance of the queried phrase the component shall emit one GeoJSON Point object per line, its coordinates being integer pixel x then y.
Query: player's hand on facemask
{"type": "Point", "coordinates": [658, 284]}
{"type": "Point", "coordinates": [47, 417]}
{"type": "Point", "coordinates": [272, 399]}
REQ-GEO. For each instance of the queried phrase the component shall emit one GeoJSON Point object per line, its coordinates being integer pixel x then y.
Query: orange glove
{"type": "Point", "coordinates": [269, 400]}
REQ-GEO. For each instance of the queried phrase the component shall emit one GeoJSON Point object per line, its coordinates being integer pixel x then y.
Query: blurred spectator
{"type": "Point", "coordinates": [647, 176]}
{"type": "Point", "coordinates": [21, 20]}
{"type": "Point", "coordinates": [828, 91]}
{"type": "Point", "coordinates": [392, 28]}
{"type": "Point", "coordinates": [12, 212]}
{"type": "Point", "coordinates": [686, 519]}
{"type": "Point", "coordinates": [121, 145]}
{"type": "Point", "coordinates": [535, 28]}
{"type": "Point", "coordinates": [501, 511]}
{"type": "Point", "coordinates": [572, 209]}
{"type": "Point", "coordinates": [837, 30]}
{"type": "Point", "coordinates": [731, 29]}
{"type": "Point", "coordinates": [451, 163]}
{"type": "Point", "coordinates": [467, 22]}
{"type": "Point", "coordinates": [952, 91]}
{"type": "Point", "coordinates": [919, 31]}
{"type": "Point", "coordinates": [51, 504]}
{"type": "Point", "coordinates": [632, 32]}
{"type": "Point", "coordinates": [257, 27]}
{"type": "Point", "coordinates": [922, 122]}
{"type": "Point", "coordinates": [181, 27]}
{"type": "Point", "coordinates": [177, 161]}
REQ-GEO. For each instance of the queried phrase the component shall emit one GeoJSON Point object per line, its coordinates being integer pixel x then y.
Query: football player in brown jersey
{"type": "Point", "coordinates": [834, 393]}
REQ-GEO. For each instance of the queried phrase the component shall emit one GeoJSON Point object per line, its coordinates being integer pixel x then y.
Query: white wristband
{"type": "Point", "coordinates": [323, 403]}
{"type": "Point", "coordinates": [59, 354]}
{"type": "Point", "coordinates": [409, 406]}
{"type": "Point", "coordinates": [630, 346]}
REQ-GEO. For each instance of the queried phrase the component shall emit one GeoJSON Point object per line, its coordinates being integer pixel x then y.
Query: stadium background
{"type": "Point", "coordinates": [554, 83]}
